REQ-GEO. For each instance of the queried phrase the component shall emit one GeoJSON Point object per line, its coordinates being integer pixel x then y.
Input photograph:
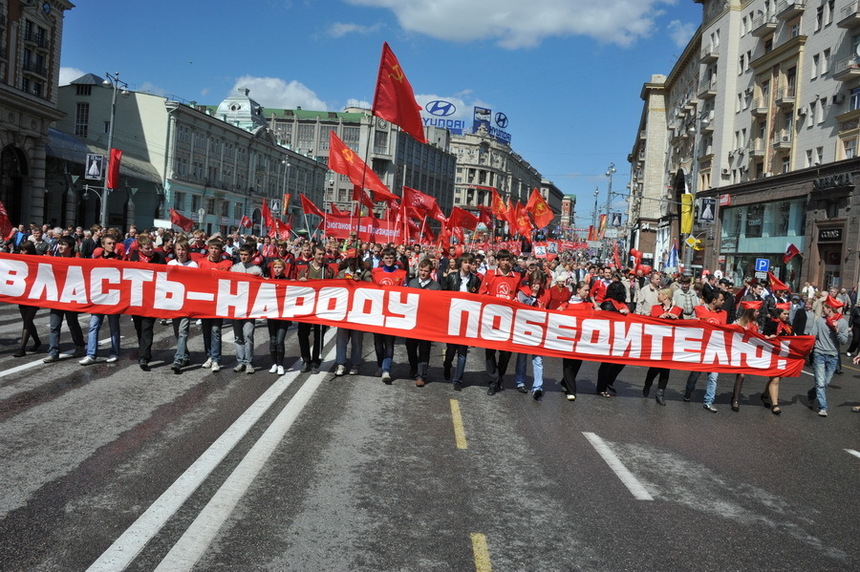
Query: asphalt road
{"type": "Point", "coordinates": [107, 467]}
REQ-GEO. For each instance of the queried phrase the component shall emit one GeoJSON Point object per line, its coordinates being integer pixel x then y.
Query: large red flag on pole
{"type": "Point", "coordinates": [266, 214]}
{"type": "Point", "coordinates": [394, 99]}
{"type": "Point", "coordinates": [309, 207]}
{"type": "Point", "coordinates": [182, 222]}
{"type": "Point", "coordinates": [537, 205]}
{"type": "Point", "coordinates": [343, 160]}
{"type": "Point", "coordinates": [112, 180]}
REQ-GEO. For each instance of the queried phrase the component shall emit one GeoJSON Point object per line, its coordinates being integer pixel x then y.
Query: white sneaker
{"type": "Point", "coordinates": [87, 361]}
{"type": "Point", "coordinates": [386, 377]}
{"type": "Point", "coordinates": [111, 359]}
{"type": "Point", "coordinates": [273, 369]}
{"type": "Point", "coordinates": [353, 370]}
{"type": "Point", "coordinates": [822, 413]}
{"type": "Point", "coordinates": [281, 370]}
{"type": "Point", "coordinates": [216, 366]}
{"type": "Point", "coordinates": [341, 369]}
{"type": "Point", "coordinates": [208, 363]}
{"type": "Point", "coordinates": [249, 369]}
{"type": "Point", "coordinates": [240, 367]}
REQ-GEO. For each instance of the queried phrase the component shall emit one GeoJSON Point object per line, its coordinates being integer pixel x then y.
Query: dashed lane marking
{"type": "Point", "coordinates": [481, 553]}
{"type": "Point", "coordinates": [459, 432]}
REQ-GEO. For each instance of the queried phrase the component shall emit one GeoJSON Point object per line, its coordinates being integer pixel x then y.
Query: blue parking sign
{"type": "Point", "coordinates": [762, 265]}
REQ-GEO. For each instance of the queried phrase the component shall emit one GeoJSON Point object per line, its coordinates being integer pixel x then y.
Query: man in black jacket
{"type": "Point", "coordinates": [463, 280]}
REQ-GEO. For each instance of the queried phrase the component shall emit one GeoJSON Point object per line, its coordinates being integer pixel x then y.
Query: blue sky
{"type": "Point", "coordinates": [567, 73]}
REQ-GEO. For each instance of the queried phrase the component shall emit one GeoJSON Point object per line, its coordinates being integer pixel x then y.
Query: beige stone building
{"type": "Point", "coordinates": [30, 45]}
{"type": "Point", "coordinates": [761, 124]}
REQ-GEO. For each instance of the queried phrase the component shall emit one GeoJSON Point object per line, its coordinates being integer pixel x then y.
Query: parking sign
{"type": "Point", "coordinates": [762, 265]}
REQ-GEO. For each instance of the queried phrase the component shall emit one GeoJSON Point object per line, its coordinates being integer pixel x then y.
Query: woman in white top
{"type": "Point", "coordinates": [182, 325]}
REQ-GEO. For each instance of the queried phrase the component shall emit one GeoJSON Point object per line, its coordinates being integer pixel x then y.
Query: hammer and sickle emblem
{"type": "Point", "coordinates": [398, 73]}
{"type": "Point", "coordinates": [348, 154]}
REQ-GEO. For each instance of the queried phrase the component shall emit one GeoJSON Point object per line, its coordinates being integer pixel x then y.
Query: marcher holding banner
{"type": "Point", "coordinates": [777, 326]}
{"type": "Point", "coordinates": [532, 292]}
{"type": "Point", "coordinates": [748, 321]}
{"type": "Point", "coordinates": [830, 331]}
{"type": "Point", "coordinates": [144, 326]}
{"type": "Point", "coordinates": [463, 280]}
{"type": "Point", "coordinates": [386, 274]}
{"type": "Point", "coordinates": [711, 313]}
{"type": "Point", "coordinates": [212, 326]}
{"type": "Point", "coordinates": [352, 268]}
{"type": "Point", "coordinates": [28, 314]}
{"type": "Point", "coordinates": [607, 373]}
{"type": "Point", "coordinates": [181, 326]}
{"type": "Point", "coordinates": [65, 249]}
{"type": "Point", "coordinates": [570, 366]}
{"type": "Point", "coordinates": [243, 330]}
{"type": "Point", "coordinates": [665, 309]}
{"type": "Point", "coordinates": [106, 252]}
{"type": "Point", "coordinates": [418, 350]}
{"type": "Point", "coordinates": [317, 269]}
{"type": "Point", "coordinates": [277, 328]}
{"type": "Point", "coordinates": [500, 283]}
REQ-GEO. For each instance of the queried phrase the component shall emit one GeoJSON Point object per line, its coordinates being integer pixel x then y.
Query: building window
{"type": "Point", "coordinates": [828, 12]}
{"type": "Point", "coordinates": [196, 200]}
{"type": "Point", "coordinates": [178, 200]}
{"type": "Point", "coordinates": [825, 61]}
{"type": "Point", "coordinates": [210, 206]}
{"type": "Point", "coordinates": [849, 147]}
{"type": "Point", "coordinates": [819, 18]}
{"type": "Point", "coordinates": [819, 155]}
{"type": "Point", "coordinates": [795, 28]}
{"type": "Point", "coordinates": [809, 157]}
{"type": "Point", "coordinates": [854, 101]}
{"type": "Point", "coordinates": [83, 90]}
{"type": "Point", "coordinates": [82, 119]}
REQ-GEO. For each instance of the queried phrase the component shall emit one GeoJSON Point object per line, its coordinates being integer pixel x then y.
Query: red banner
{"type": "Point", "coordinates": [369, 229]}
{"type": "Point", "coordinates": [91, 285]}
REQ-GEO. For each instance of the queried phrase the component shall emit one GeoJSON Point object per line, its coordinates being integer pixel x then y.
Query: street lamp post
{"type": "Point", "coordinates": [111, 79]}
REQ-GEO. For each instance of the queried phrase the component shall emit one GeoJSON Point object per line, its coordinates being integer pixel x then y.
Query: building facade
{"type": "Point", "coordinates": [773, 125]}
{"type": "Point", "coordinates": [393, 155]}
{"type": "Point", "coordinates": [213, 165]}
{"type": "Point", "coordinates": [30, 46]}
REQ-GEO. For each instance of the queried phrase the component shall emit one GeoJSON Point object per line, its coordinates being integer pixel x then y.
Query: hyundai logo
{"type": "Point", "coordinates": [501, 120]}
{"type": "Point", "coordinates": [441, 108]}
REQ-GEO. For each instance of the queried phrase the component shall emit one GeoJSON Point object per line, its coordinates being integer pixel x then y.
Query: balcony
{"type": "Point", "coordinates": [782, 140]}
{"type": "Point", "coordinates": [38, 70]}
{"type": "Point", "coordinates": [785, 97]}
{"type": "Point", "coordinates": [847, 69]}
{"type": "Point", "coordinates": [759, 106]}
{"type": "Point", "coordinates": [849, 16]}
{"type": "Point", "coordinates": [763, 25]}
{"type": "Point", "coordinates": [756, 147]}
{"type": "Point", "coordinates": [710, 54]}
{"type": "Point", "coordinates": [707, 123]}
{"type": "Point", "coordinates": [787, 9]}
{"type": "Point", "coordinates": [708, 89]}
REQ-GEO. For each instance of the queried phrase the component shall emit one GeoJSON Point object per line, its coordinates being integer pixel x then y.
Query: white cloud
{"type": "Point", "coordinates": [360, 103]}
{"type": "Point", "coordinates": [68, 75]}
{"type": "Point", "coordinates": [681, 32]}
{"type": "Point", "coordinates": [517, 23]}
{"type": "Point", "coordinates": [340, 29]}
{"type": "Point", "coordinates": [275, 92]}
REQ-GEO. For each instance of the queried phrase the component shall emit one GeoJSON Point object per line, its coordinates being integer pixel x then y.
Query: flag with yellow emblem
{"type": "Point", "coordinates": [539, 209]}
{"type": "Point", "coordinates": [343, 160]}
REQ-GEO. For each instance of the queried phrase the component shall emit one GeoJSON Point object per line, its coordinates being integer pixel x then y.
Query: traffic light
{"type": "Point", "coordinates": [698, 244]}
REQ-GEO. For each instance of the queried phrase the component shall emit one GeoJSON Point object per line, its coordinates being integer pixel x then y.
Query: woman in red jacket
{"type": "Point", "coordinates": [665, 309]}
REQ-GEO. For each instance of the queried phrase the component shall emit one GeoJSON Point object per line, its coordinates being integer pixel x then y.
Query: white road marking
{"type": "Point", "coordinates": [194, 542]}
{"type": "Point", "coordinates": [126, 548]}
{"type": "Point", "coordinates": [636, 488]}
{"type": "Point", "coordinates": [853, 452]}
{"type": "Point", "coordinates": [32, 364]}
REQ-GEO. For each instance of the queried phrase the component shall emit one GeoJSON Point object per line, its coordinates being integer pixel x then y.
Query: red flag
{"type": "Point", "coordinates": [335, 210]}
{"type": "Point", "coordinates": [112, 181]}
{"type": "Point", "coordinates": [361, 197]}
{"type": "Point", "coordinates": [537, 205]}
{"type": "Point", "coordinates": [511, 216]}
{"type": "Point", "coordinates": [776, 284]}
{"type": "Point", "coordinates": [601, 227]}
{"type": "Point", "coordinates": [484, 215]}
{"type": "Point", "coordinates": [790, 253]}
{"type": "Point", "coordinates": [418, 200]}
{"type": "Point", "coordinates": [524, 223]}
{"type": "Point", "coordinates": [266, 214]}
{"type": "Point", "coordinates": [461, 218]}
{"type": "Point", "coordinates": [343, 160]}
{"type": "Point", "coordinates": [246, 222]}
{"type": "Point", "coordinates": [497, 206]}
{"type": "Point", "coordinates": [309, 207]}
{"type": "Point", "coordinates": [182, 222]}
{"type": "Point", "coordinates": [616, 257]}
{"type": "Point", "coordinates": [394, 99]}
{"type": "Point", "coordinates": [6, 227]}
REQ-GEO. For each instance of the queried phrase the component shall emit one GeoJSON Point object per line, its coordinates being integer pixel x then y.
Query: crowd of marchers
{"type": "Point", "coordinates": [564, 283]}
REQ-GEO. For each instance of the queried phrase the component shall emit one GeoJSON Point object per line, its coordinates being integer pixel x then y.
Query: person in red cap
{"type": "Point", "coordinates": [830, 331]}
{"type": "Point", "coordinates": [777, 326]}
{"type": "Point", "coordinates": [748, 321]}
